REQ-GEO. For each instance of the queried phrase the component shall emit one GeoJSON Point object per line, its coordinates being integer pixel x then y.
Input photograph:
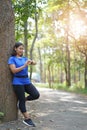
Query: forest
{"type": "Point", "coordinates": [54, 33]}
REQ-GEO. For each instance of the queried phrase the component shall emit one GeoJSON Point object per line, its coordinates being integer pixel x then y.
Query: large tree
{"type": "Point", "coordinates": [7, 96]}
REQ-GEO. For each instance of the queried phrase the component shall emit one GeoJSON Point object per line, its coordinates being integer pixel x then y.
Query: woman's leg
{"type": "Point", "coordinates": [32, 91]}
{"type": "Point", "coordinates": [20, 92]}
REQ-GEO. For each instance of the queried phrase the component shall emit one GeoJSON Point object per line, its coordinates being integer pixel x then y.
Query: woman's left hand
{"type": "Point", "coordinates": [33, 62]}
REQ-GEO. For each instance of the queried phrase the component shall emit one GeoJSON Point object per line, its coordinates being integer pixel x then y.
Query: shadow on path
{"type": "Point", "coordinates": [55, 110]}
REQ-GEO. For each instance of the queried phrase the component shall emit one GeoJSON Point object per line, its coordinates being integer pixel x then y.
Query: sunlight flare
{"type": "Point", "coordinates": [77, 26]}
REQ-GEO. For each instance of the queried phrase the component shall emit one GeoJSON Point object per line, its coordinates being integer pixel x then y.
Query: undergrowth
{"type": "Point", "coordinates": [76, 88]}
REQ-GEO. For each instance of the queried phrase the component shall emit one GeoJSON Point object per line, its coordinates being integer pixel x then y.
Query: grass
{"type": "Point", "coordinates": [76, 88]}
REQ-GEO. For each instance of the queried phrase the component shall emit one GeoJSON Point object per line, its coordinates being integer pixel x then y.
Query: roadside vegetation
{"type": "Point", "coordinates": [57, 45]}
{"type": "Point", "coordinates": [75, 88]}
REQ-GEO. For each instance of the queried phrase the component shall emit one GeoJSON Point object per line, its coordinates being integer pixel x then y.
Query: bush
{"type": "Point", "coordinates": [1, 115]}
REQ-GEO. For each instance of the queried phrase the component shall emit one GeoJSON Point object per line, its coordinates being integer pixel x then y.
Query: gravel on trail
{"type": "Point", "coordinates": [54, 110]}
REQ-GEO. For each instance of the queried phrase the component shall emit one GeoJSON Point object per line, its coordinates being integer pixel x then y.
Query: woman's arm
{"type": "Point", "coordinates": [15, 70]}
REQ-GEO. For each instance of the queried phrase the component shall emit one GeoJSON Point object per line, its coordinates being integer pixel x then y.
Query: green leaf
{"type": "Point", "coordinates": [1, 115]}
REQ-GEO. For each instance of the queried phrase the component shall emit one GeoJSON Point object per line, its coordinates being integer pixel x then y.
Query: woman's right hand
{"type": "Point", "coordinates": [28, 62]}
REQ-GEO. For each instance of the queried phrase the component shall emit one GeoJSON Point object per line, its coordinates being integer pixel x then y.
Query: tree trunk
{"type": "Point", "coordinates": [26, 38]}
{"type": "Point", "coordinates": [61, 74]}
{"type": "Point", "coordinates": [7, 96]}
{"type": "Point", "coordinates": [68, 74]}
{"type": "Point", "coordinates": [85, 72]}
{"type": "Point", "coordinates": [41, 70]}
{"type": "Point", "coordinates": [36, 33]}
{"type": "Point", "coordinates": [49, 76]}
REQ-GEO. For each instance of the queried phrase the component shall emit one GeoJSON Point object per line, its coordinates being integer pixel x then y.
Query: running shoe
{"type": "Point", "coordinates": [18, 104]}
{"type": "Point", "coordinates": [28, 122]}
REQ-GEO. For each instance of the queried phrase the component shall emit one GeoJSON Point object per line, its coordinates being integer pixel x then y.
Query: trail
{"type": "Point", "coordinates": [55, 110]}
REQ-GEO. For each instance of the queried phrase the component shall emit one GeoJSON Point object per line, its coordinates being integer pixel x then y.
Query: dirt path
{"type": "Point", "coordinates": [55, 110]}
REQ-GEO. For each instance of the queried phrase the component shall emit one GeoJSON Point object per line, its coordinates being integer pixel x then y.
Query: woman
{"type": "Point", "coordinates": [21, 82]}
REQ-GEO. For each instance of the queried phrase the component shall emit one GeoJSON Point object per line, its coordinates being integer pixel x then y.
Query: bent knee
{"type": "Point", "coordinates": [36, 96]}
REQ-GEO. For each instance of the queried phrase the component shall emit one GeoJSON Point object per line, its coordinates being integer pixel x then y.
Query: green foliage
{"type": "Point", "coordinates": [1, 115]}
{"type": "Point", "coordinates": [23, 10]}
{"type": "Point", "coordinates": [54, 20]}
{"type": "Point", "coordinates": [76, 88]}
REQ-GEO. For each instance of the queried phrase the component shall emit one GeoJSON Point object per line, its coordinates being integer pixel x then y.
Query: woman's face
{"type": "Point", "coordinates": [19, 50]}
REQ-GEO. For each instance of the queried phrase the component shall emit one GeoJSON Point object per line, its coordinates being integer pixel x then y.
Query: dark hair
{"type": "Point", "coordinates": [17, 44]}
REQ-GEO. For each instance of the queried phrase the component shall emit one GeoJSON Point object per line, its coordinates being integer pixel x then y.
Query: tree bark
{"type": "Point", "coordinates": [41, 66]}
{"type": "Point", "coordinates": [85, 72]}
{"type": "Point", "coordinates": [68, 74]}
{"type": "Point", "coordinates": [36, 33]}
{"type": "Point", "coordinates": [49, 76]}
{"type": "Point", "coordinates": [7, 35]}
{"type": "Point", "coordinates": [26, 38]}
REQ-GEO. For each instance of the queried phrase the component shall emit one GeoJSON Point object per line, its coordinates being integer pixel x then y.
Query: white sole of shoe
{"type": "Point", "coordinates": [27, 124]}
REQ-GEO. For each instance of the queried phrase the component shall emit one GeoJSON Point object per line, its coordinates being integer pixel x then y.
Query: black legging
{"type": "Point", "coordinates": [20, 92]}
